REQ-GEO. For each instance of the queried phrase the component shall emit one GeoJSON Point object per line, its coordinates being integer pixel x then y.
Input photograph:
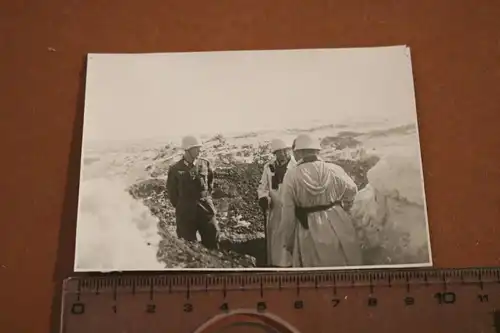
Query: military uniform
{"type": "Point", "coordinates": [189, 187]}
{"type": "Point", "coordinates": [270, 187]}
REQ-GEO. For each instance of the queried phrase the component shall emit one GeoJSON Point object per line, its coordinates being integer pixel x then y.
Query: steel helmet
{"type": "Point", "coordinates": [190, 141]}
{"type": "Point", "coordinates": [278, 144]}
{"type": "Point", "coordinates": [306, 141]}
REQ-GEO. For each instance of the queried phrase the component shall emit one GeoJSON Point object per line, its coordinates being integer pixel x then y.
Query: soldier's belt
{"type": "Point", "coordinates": [302, 212]}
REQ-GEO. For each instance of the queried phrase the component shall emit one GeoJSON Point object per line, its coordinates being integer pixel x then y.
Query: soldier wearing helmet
{"type": "Point", "coordinates": [189, 187]}
{"type": "Point", "coordinates": [315, 225]}
{"type": "Point", "coordinates": [269, 200]}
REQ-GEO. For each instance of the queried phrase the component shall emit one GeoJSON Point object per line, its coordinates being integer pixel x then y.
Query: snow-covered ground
{"type": "Point", "coordinates": [115, 232]}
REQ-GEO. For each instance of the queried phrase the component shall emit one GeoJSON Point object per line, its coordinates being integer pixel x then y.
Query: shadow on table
{"type": "Point", "coordinates": [67, 231]}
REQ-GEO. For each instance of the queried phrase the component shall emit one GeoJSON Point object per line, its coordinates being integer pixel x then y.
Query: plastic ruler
{"type": "Point", "coordinates": [414, 300]}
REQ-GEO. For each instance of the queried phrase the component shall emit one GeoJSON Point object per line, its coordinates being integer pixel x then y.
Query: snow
{"type": "Point", "coordinates": [399, 176]}
{"type": "Point", "coordinates": [115, 232]}
{"type": "Point", "coordinates": [391, 208]}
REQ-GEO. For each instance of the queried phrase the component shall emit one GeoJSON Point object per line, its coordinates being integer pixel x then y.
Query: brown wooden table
{"type": "Point", "coordinates": [455, 48]}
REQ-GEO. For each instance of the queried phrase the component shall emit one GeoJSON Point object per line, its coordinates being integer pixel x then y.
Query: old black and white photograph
{"type": "Point", "coordinates": [299, 159]}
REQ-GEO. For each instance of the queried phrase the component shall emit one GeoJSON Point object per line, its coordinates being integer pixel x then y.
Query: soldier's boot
{"type": "Point", "coordinates": [209, 232]}
{"type": "Point", "coordinates": [186, 226]}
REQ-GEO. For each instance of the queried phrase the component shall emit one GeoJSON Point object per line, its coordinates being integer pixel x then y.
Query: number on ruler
{"type": "Point", "coordinates": [150, 308]}
{"type": "Point", "coordinates": [298, 305]}
{"type": "Point", "coordinates": [188, 307]}
{"type": "Point", "coordinates": [78, 308]}
{"type": "Point", "coordinates": [372, 301]}
{"type": "Point", "coordinates": [261, 306]}
{"type": "Point", "coordinates": [224, 307]}
{"type": "Point", "coordinates": [445, 298]}
{"type": "Point", "coordinates": [409, 300]}
{"type": "Point", "coordinates": [335, 302]}
{"type": "Point", "coordinates": [115, 309]}
{"type": "Point", "coordinates": [483, 298]}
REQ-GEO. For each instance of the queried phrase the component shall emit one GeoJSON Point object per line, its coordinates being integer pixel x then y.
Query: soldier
{"type": "Point", "coordinates": [316, 227]}
{"type": "Point", "coordinates": [189, 186]}
{"type": "Point", "coordinates": [270, 203]}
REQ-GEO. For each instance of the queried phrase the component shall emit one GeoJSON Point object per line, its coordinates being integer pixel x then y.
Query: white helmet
{"type": "Point", "coordinates": [306, 141]}
{"type": "Point", "coordinates": [278, 144]}
{"type": "Point", "coordinates": [190, 141]}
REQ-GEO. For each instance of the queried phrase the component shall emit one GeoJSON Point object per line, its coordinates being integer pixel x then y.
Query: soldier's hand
{"type": "Point", "coordinates": [347, 205]}
{"type": "Point", "coordinates": [264, 204]}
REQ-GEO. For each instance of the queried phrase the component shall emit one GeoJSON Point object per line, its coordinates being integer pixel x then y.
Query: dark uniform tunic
{"type": "Point", "coordinates": [279, 173]}
{"type": "Point", "coordinates": [189, 187]}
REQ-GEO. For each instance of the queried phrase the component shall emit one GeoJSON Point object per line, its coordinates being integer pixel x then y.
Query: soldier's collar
{"type": "Point", "coordinates": [282, 164]}
{"type": "Point", "coordinates": [309, 159]}
{"type": "Point", "coordinates": [187, 163]}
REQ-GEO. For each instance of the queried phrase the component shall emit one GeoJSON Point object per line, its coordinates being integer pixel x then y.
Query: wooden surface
{"type": "Point", "coordinates": [456, 59]}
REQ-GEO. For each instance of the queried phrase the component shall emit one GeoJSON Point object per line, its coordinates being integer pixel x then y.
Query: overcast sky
{"type": "Point", "coordinates": [141, 96]}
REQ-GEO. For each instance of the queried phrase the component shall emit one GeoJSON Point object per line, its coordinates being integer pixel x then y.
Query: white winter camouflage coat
{"type": "Point", "coordinates": [276, 254]}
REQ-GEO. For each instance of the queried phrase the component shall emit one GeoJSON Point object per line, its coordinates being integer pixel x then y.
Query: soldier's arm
{"type": "Point", "coordinates": [288, 222]}
{"type": "Point", "coordinates": [345, 185]}
{"type": "Point", "coordinates": [172, 187]}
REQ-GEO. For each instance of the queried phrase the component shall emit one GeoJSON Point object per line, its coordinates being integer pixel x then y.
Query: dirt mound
{"type": "Point", "coordinates": [238, 187]}
{"type": "Point", "coordinates": [242, 223]}
{"type": "Point", "coordinates": [357, 169]}
{"type": "Point", "coordinates": [174, 252]}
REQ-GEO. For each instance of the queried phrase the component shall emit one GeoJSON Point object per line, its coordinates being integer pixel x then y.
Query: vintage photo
{"type": "Point", "coordinates": [251, 160]}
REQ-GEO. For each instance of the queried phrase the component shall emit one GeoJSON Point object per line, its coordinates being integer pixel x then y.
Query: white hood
{"type": "Point", "coordinates": [316, 177]}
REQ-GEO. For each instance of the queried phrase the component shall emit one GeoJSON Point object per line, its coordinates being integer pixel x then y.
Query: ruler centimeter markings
{"type": "Point", "coordinates": [437, 300]}
{"type": "Point", "coordinates": [78, 285]}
